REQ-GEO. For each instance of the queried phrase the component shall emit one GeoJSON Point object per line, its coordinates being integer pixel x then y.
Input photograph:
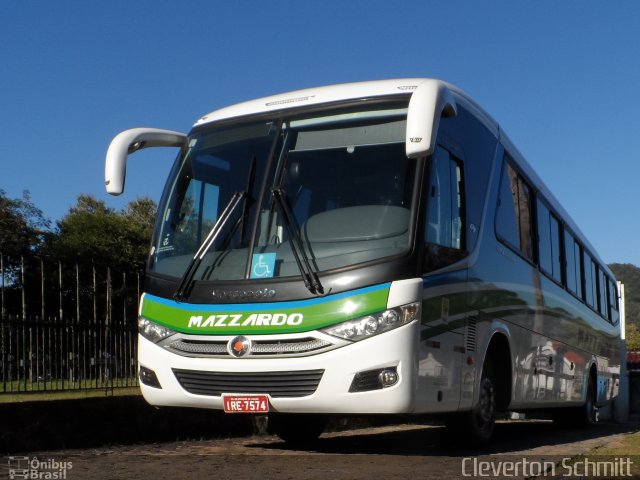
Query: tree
{"type": "Point", "coordinates": [23, 229]}
{"type": "Point", "coordinates": [93, 233]}
{"type": "Point", "coordinates": [633, 337]}
{"type": "Point", "coordinates": [629, 275]}
{"type": "Point", "coordinates": [22, 225]}
{"type": "Point", "coordinates": [140, 215]}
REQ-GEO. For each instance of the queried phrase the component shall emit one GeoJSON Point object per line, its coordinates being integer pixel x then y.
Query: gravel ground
{"type": "Point", "coordinates": [391, 452]}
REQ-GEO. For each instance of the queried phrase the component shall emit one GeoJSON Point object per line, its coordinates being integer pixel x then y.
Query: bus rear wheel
{"type": "Point", "coordinates": [297, 429]}
{"type": "Point", "coordinates": [584, 416]}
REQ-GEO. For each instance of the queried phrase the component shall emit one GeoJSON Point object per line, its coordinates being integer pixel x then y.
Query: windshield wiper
{"type": "Point", "coordinates": [195, 262]}
{"type": "Point", "coordinates": [309, 274]}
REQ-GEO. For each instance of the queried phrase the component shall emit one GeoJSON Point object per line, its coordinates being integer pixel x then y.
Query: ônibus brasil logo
{"type": "Point", "coordinates": [253, 320]}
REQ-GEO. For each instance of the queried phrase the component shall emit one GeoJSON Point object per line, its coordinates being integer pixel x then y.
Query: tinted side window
{"type": "Point", "coordinates": [612, 290]}
{"type": "Point", "coordinates": [507, 214]}
{"type": "Point", "coordinates": [556, 258]}
{"type": "Point", "coordinates": [513, 217]}
{"type": "Point", "coordinates": [590, 291]}
{"type": "Point", "coordinates": [573, 260]}
{"type": "Point", "coordinates": [545, 254]}
{"type": "Point", "coordinates": [444, 228]}
{"type": "Point", "coordinates": [444, 203]}
{"type": "Point", "coordinates": [479, 147]}
{"type": "Point", "coordinates": [603, 307]}
{"type": "Point", "coordinates": [578, 256]}
{"type": "Point", "coordinates": [570, 259]}
{"type": "Point", "coordinates": [549, 242]}
{"type": "Point", "coordinates": [524, 218]}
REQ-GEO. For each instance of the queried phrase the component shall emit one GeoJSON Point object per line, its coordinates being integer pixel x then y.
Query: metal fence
{"type": "Point", "coordinates": [66, 326]}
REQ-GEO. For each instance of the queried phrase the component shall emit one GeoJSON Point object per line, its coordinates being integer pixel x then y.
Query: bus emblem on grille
{"type": "Point", "coordinates": [239, 346]}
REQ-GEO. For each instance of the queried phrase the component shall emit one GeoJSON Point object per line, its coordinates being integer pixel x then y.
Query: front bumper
{"type": "Point", "coordinates": [396, 348]}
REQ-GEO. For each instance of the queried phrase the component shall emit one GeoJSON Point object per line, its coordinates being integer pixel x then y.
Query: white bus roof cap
{"type": "Point", "coordinates": [315, 96]}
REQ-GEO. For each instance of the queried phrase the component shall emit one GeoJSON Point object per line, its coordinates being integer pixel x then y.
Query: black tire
{"type": "Point", "coordinates": [475, 428]}
{"type": "Point", "coordinates": [588, 414]}
{"type": "Point", "coordinates": [297, 429]}
{"type": "Point", "coordinates": [581, 417]}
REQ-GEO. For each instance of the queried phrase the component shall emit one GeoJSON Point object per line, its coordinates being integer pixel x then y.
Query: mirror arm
{"type": "Point", "coordinates": [131, 141]}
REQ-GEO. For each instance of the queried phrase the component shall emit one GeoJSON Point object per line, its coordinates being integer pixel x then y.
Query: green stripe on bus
{"type": "Point", "coordinates": [234, 320]}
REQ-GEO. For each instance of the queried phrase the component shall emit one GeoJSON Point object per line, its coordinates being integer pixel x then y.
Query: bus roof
{"type": "Point", "coordinates": [334, 93]}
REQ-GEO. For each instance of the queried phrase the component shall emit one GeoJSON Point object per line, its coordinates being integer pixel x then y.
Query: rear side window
{"type": "Point", "coordinates": [573, 258]}
{"type": "Point", "coordinates": [612, 293]}
{"type": "Point", "coordinates": [513, 216]}
{"type": "Point", "coordinates": [549, 242]}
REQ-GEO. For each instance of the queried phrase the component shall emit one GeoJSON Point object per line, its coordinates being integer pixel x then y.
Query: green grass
{"type": "Point", "coordinates": [67, 394]}
{"type": "Point", "coordinates": [17, 386]}
{"type": "Point", "coordinates": [625, 446]}
{"type": "Point", "coordinates": [21, 391]}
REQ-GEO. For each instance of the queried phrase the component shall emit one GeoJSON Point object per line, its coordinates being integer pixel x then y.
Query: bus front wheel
{"type": "Point", "coordinates": [297, 429]}
{"type": "Point", "coordinates": [475, 427]}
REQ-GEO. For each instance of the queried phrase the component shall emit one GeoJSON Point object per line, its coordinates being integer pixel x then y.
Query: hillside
{"type": "Point", "coordinates": [629, 275]}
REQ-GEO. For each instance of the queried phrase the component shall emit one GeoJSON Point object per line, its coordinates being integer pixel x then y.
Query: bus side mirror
{"type": "Point", "coordinates": [131, 141]}
{"type": "Point", "coordinates": [430, 101]}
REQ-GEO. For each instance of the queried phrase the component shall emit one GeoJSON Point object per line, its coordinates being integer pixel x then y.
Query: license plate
{"type": "Point", "coordinates": [245, 403]}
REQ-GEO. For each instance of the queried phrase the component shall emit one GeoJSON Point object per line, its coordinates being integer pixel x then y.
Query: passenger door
{"type": "Point", "coordinates": [444, 302]}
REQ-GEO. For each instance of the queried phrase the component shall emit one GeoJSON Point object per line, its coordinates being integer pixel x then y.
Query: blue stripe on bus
{"type": "Point", "coordinates": [255, 307]}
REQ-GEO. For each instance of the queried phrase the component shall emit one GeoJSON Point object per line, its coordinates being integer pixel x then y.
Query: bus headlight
{"type": "Point", "coordinates": [375, 324]}
{"type": "Point", "coordinates": [152, 331]}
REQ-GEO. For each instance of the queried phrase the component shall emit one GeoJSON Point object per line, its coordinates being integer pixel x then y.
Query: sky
{"type": "Point", "coordinates": [561, 77]}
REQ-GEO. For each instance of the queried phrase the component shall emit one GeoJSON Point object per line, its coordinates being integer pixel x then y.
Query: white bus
{"type": "Point", "coordinates": [367, 248]}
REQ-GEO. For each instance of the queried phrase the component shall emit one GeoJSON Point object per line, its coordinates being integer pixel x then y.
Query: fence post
{"type": "Point", "coordinates": [61, 370]}
{"type": "Point", "coordinates": [84, 346]}
{"type": "Point", "coordinates": [38, 331]}
{"type": "Point", "coordinates": [42, 309]}
{"type": "Point", "coordinates": [42, 314]}
{"type": "Point", "coordinates": [75, 332]}
{"type": "Point", "coordinates": [2, 319]}
{"type": "Point", "coordinates": [107, 336]}
{"type": "Point", "coordinates": [122, 334]}
{"type": "Point", "coordinates": [2, 285]}
{"type": "Point", "coordinates": [97, 335]}
{"type": "Point", "coordinates": [24, 294]}
{"type": "Point", "coordinates": [22, 325]}
{"type": "Point", "coordinates": [60, 289]}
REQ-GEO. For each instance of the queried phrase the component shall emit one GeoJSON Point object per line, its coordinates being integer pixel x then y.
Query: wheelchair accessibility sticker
{"type": "Point", "coordinates": [263, 265]}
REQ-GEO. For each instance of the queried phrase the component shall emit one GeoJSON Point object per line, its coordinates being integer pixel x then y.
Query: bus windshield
{"type": "Point", "coordinates": [345, 186]}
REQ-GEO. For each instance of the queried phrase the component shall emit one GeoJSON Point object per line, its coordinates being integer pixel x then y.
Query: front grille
{"type": "Point", "coordinates": [276, 384]}
{"type": "Point", "coordinates": [265, 347]}
{"type": "Point", "coordinates": [284, 347]}
{"type": "Point", "coordinates": [200, 348]}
